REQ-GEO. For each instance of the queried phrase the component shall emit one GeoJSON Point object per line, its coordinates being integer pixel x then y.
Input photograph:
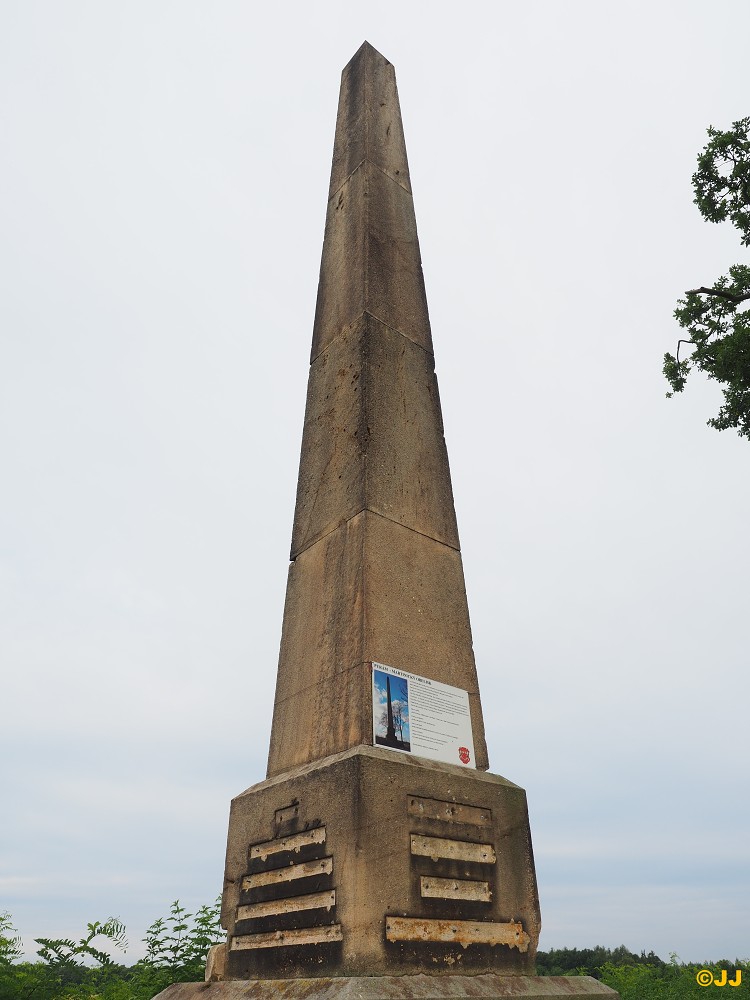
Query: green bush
{"type": "Point", "coordinates": [176, 949]}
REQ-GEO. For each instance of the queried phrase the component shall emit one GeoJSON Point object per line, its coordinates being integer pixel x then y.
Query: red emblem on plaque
{"type": "Point", "coordinates": [463, 755]}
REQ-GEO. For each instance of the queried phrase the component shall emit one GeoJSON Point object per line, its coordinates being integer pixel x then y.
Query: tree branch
{"type": "Point", "coordinates": [720, 293]}
{"type": "Point", "coordinates": [677, 359]}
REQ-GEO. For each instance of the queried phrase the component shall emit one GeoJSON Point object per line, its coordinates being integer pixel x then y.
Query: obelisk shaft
{"type": "Point", "coordinates": [376, 572]}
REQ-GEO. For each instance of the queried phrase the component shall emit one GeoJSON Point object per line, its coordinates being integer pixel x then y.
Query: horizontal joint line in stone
{"type": "Point", "coordinates": [350, 326]}
{"type": "Point", "coordinates": [375, 513]}
{"type": "Point", "coordinates": [340, 673]}
{"type": "Point", "coordinates": [366, 312]}
{"type": "Point", "coordinates": [377, 167]}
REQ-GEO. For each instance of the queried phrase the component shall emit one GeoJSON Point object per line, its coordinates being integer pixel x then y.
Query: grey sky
{"type": "Point", "coordinates": [163, 179]}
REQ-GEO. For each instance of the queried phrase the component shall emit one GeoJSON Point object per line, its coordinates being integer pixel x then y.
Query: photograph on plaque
{"type": "Point", "coordinates": [418, 715]}
{"type": "Point", "coordinates": [390, 710]}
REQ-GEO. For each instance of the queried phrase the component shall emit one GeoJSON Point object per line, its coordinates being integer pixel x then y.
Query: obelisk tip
{"type": "Point", "coordinates": [367, 51]}
{"type": "Point", "coordinates": [368, 124]}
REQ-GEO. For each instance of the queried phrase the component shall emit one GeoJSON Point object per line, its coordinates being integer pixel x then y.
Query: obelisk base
{"type": "Point", "coordinates": [484, 987]}
{"type": "Point", "coordinates": [374, 863]}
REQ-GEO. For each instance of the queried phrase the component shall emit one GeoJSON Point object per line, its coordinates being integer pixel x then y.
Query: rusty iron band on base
{"type": "Point", "coordinates": [294, 843]}
{"type": "Point", "coordinates": [322, 867]}
{"type": "Point", "coordinates": [448, 812]}
{"type": "Point", "coordinates": [454, 850]}
{"type": "Point", "coordinates": [281, 939]}
{"type": "Point", "coordinates": [293, 904]}
{"type": "Point", "coordinates": [454, 888]}
{"type": "Point", "coordinates": [463, 932]}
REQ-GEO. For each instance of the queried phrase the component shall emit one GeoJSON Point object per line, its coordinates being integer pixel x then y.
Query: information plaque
{"type": "Point", "coordinates": [417, 715]}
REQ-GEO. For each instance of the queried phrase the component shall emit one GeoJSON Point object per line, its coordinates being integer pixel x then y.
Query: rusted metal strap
{"type": "Point", "coordinates": [324, 866]}
{"type": "Point", "coordinates": [454, 888]}
{"type": "Point", "coordinates": [449, 812]}
{"type": "Point", "coordinates": [293, 843]}
{"type": "Point", "coordinates": [454, 850]}
{"type": "Point", "coordinates": [293, 904]}
{"type": "Point", "coordinates": [282, 939]}
{"type": "Point", "coordinates": [463, 932]}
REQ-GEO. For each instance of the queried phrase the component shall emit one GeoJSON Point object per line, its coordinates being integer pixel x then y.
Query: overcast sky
{"type": "Point", "coordinates": [163, 178]}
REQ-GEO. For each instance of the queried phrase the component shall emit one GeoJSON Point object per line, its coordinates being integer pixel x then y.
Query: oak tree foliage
{"type": "Point", "coordinates": [717, 317]}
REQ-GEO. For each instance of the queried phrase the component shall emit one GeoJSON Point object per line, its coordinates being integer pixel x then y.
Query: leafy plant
{"type": "Point", "coordinates": [10, 947]}
{"type": "Point", "coordinates": [65, 952]}
{"type": "Point", "coordinates": [176, 952]}
{"type": "Point", "coordinates": [717, 318]}
{"type": "Point", "coordinates": [176, 944]}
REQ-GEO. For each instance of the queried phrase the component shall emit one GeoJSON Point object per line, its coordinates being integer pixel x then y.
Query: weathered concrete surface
{"type": "Point", "coordinates": [216, 963]}
{"type": "Point", "coordinates": [368, 123]}
{"type": "Point", "coordinates": [370, 590]}
{"type": "Point", "coordinates": [373, 438]}
{"type": "Point", "coordinates": [373, 811]}
{"type": "Point", "coordinates": [376, 572]}
{"type": "Point", "coordinates": [420, 987]}
{"type": "Point", "coordinates": [371, 261]}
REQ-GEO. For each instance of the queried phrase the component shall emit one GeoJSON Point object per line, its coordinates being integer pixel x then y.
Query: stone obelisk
{"type": "Point", "coordinates": [356, 864]}
{"type": "Point", "coordinates": [376, 569]}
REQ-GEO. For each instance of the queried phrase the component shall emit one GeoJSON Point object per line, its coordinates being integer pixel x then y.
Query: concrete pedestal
{"type": "Point", "coordinates": [374, 863]}
{"type": "Point", "coordinates": [483, 987]}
